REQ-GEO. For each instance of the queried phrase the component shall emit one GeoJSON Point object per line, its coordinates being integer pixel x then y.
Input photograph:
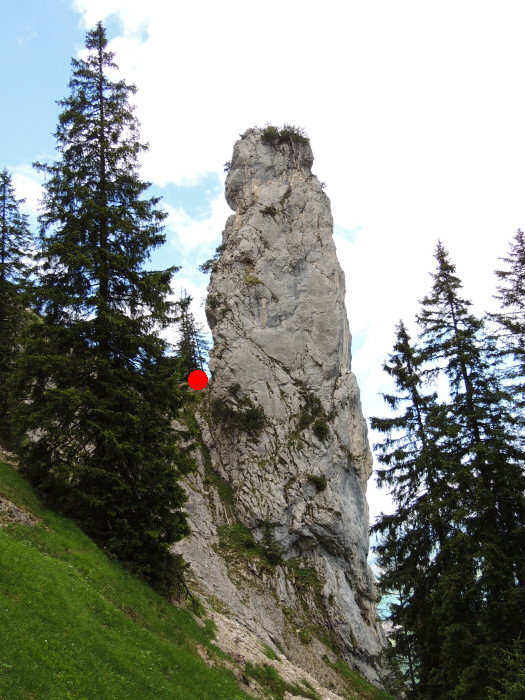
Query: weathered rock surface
{"type": "Point", "coordinates": [11, 514]}
{"type": "Point", "coordinates": [297, 474]}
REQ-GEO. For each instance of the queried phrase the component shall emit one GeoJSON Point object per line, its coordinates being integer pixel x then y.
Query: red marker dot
{"type": "Point", "coordinates": [198, 379]}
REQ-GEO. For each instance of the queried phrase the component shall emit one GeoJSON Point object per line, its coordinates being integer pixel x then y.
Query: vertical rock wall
{"type": "Point", "coordinates": [282, 418]}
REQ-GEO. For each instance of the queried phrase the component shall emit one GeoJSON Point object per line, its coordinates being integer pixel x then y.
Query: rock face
{"type": "Point", "coordinates": [278, 507]}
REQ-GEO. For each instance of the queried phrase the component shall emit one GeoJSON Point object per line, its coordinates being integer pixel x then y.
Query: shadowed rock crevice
{"type": "Point", "coordinates": [282, 423]}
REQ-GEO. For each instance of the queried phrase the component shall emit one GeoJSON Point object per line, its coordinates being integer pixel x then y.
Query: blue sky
{"type": "Point", "coordinates": [414, 111]}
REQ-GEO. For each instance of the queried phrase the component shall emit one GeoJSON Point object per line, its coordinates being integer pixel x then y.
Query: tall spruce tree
{"type": "Point", "coordinates": [511, 317]}
{"type": "Point", "coordinates": [477, 617]}
{"type": "Point", "coordinates": [417, 465]}
{"type": "Point", "coordinates": [15, 250]}
{"type": "Point", "coordinates": [454, 550]}
{"type": "Point", "coordinates": [192, 346]}
{"type": "Point", "coordinates": [95, 424]}
{"type": "Point", "coordinates": [511, 293]}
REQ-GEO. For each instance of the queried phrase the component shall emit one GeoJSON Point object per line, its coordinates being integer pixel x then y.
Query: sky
{"type": "Point", "coordinates": [414, 111]}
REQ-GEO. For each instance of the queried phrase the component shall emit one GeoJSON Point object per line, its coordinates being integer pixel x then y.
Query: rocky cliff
{"type": "Point", "coordinates": [278, 508]}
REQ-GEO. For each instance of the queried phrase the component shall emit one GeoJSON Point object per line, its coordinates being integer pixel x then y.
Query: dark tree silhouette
{"type": "Point", "coordinates": [95, 423]}
{"type": "Point", "coordinates": [15, 268]}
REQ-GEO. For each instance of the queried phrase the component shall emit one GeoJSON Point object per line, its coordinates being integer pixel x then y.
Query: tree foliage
{"type": "Point", "coordinates": [15, 269]}
{"type": "Point", "coordinates": [510, 320]}
{"type": "Point", "coordinates": [97, 393]}
{"type": "Point", "coordinates": [192, 346]}
{"type": "Point", "coordinates": [511, 294]}
{"type": "Point", "coordinates": [454, 550]}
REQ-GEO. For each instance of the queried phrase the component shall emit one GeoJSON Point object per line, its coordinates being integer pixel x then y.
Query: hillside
{"type": "Point", "coordinates": [77, 625]}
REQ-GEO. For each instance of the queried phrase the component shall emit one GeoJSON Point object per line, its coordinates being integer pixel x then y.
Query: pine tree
{"type": "Point", "coordinates": [477, 616]}
{"type": "Point", "coordinates": [192, 346]}
{"type": "Point", "coordinates": [15, 269]}
{"type": "Point", "coordinates": [417, 467]}
{"type": "Point", "coordinates": [511, 317]}
{"type": "Point", "coordinates": [511, 294]}
{"type": "Point", "coordinates": [98, 397]}
{"type": "Point", "coordinates": [453, 552]}
{"type": "Point", "coordinates": [510, 679]}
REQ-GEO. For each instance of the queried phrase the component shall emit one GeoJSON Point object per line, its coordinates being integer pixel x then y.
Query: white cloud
{"type": "Point", "coordinates": [191, 233]}
{"type": "Point", "coordinates": [134, 15]}
{"type": "Point", "coordinates": [27, 185]}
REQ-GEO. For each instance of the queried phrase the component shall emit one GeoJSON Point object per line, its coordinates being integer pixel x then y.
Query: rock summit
{"type": "Point", "coordinates": [278, 508]}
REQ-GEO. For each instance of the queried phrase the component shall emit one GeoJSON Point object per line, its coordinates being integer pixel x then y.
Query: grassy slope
{"type": "Point", "coordinates": [74, 624]}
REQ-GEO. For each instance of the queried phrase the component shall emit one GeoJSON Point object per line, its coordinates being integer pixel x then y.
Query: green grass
{"type": "Point", "coordinates": [356, 683]}
{"type": "Point", "coordinates": [270, 653]}
{"type": "Point", "coordinates": [74, 624]}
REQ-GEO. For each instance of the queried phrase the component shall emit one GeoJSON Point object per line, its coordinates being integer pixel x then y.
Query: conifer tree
{"type": "Point", "coordinates": [417, 467]}
{"type": "Point", "coordinates": [454, 551]}
{"type": "Point", "coordinates": [477, 617]}
{"type": "Point", "coordinates": [192, 346]}
{"type": "Point", "coordinates": [95, 423]}
{"type": "Point", "coordinates": [511, 317]}
{"type": "Point", "coordinates": [15, 249]}
{"type": "Point", "coordinates": [510, 681]}
{"type": "Point", "coordinates": [511, 293]}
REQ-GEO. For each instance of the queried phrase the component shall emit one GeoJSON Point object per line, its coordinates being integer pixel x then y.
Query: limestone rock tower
{"type": "Point", "coordinates": [287, 454]}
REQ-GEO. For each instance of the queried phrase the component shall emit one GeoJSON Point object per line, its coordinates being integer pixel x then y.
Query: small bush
{"type": "Point", "coordinates": [251, 280]}
{"type": "Point", "coordinates": [304, 636]}
{"type": "Point", "coordinates": [304, 577]}
{"type": "Point", "coordinates": [207, 266]}
{"type": "Point", "coordinates": [237, 537]}
{"type": "Point", "coordinates": [295, 133]}
{"type": "Point", "coordinates": [270, 210]}
{"type": "Point", "coordinates": [267, 676]}
{"type": "Point", "coordinates": [273, 551]}
{"type": "Point", "coordinates": [222, 411]}
{"type": "Point", "coordinates": [320, 428]}
{"type": "Point", "coordinates": [270, 133]}
{"type": "Point", "coordinates": [312, 404]}
{"type": "Point", "coordinates": [312, 411]}
{"type": "Point", "coordinates": [304, 420]}
{"type": "Point", "coordinates": [210, 265]}
{"type": "Point", "coordinates": [318, 481]}
{"type": "Point", "coordinates": [213, 301]}
{"type": "Point", "coordinates": [274, 135]}
{"type": "Point", "coordinates": [224, 489]}
{"type": "Point", "coordinates": [248, 417]}
{"type": "Point", "coordinates": [252, 419]}
{"type": "Point", "coordinates": [270, 653]}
